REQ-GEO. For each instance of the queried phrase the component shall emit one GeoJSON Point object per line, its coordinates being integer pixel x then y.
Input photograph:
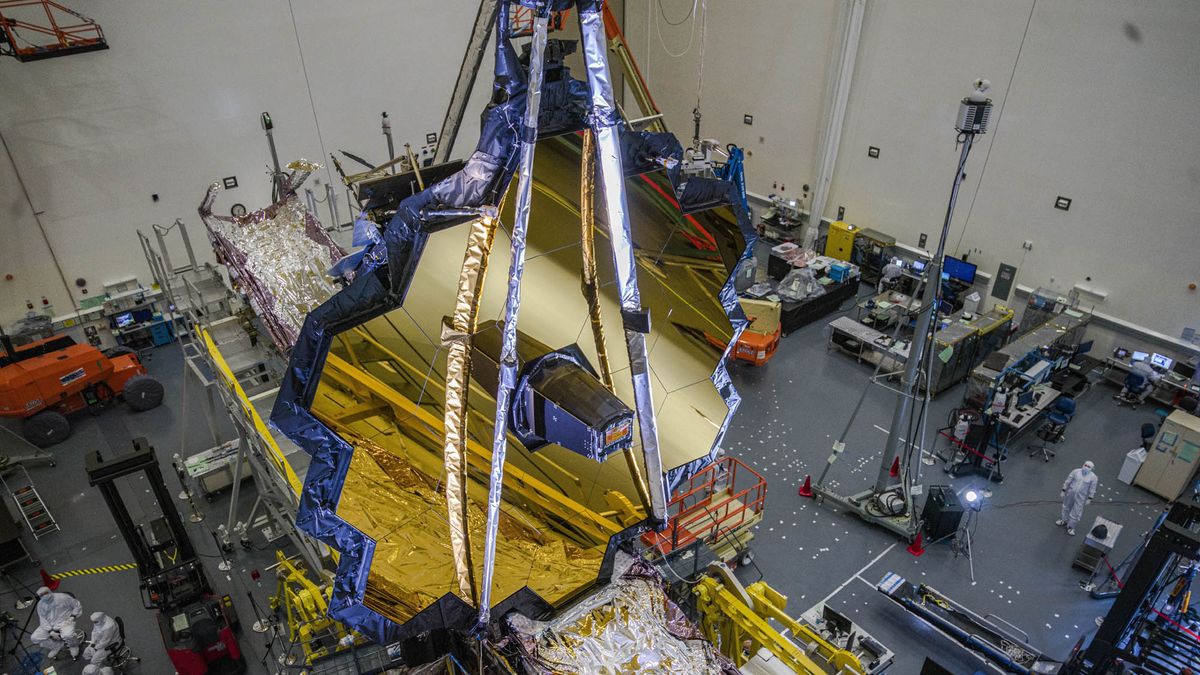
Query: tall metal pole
{"type": "Point", "coordinates": [916, 351]}
{"type": "Point", "coordinates": [277, 177]}
{"type": "Point", "coordinates": [604, 121]}
{"type": "Point", "coordinates": [387, 132]}
{"type": "Point", "coordinates": [973, 114]}
{"type": "Point", "coordinates": [472, 58]}
{"type": "Point", "coordinates": [187, 243]}
{"type": "Point", "coordinates": [508, 349]}
{"type": "Point", "coordinates": [331, 198]}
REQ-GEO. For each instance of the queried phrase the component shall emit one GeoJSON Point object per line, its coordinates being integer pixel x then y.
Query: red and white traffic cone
{"type": "Point", "coordinates": [48, 581]}
{"type": "Point", "coordinates": [806, 488]}
{"type": "Point", "coordinates": [917, 548]}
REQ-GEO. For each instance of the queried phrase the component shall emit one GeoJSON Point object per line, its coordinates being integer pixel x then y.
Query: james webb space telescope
{"type": "Point", "coordinates": [558, 398]}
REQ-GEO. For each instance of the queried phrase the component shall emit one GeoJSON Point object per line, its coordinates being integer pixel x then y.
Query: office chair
{"type": "Point", "coordinates": [1055, 428]}
{"type": "Point", "coordinates": [1149, 431]}
{"type": "Point", "coordinates": [1131, 394]}
{"type": "Point", "coordinates": [119, 655]}
{"type": "Point", "coordinates": [1189, 404]}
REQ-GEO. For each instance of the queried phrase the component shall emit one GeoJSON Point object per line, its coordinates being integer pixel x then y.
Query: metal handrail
{"type": "Point", "coordinates": [751, 501]}
{"type": "Point", "coordinates": [1009, 624]}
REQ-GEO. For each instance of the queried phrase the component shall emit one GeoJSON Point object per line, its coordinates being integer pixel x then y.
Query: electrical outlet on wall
{"type": "Point", "coordinates": [1028, 245]}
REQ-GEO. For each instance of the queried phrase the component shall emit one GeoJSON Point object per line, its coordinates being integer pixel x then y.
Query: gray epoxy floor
{"type": "Point", "coordinates": [89, 536]}
{"type": "Point", "coordinates": [796, 405]}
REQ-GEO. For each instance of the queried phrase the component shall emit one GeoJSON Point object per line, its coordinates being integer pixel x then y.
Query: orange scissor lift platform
{"type": "Point", "coordinates": [719, 506]}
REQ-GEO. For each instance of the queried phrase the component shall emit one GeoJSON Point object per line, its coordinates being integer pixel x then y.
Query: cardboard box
{"type": "Point", "coordinates": [764, 315]}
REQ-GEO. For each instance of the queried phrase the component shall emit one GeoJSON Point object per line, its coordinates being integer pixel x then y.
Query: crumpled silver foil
{"type": "Point", "coordinates": [630, 626]}
{"type": "Point", "coordinates": [277, 256]}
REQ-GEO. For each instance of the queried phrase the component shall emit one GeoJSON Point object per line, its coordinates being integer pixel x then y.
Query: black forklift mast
{"type": "Point", "coordinates": [171, 580]}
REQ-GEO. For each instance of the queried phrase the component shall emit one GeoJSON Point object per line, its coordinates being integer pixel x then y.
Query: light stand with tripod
{"type": "Point", "coordinates": [961, 545]}
{"type": "Point", "coordinates": [12, 641]}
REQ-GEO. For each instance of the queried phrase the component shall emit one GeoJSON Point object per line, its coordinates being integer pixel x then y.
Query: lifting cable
{"type": "Point", "coordinates": [691, 36]}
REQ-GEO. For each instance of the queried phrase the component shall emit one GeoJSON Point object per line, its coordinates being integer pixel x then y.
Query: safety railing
{"type": "Point", "coordinates": [521, 20]}
{"type": "Point", "coordinates": [64, 38]}
{"type": "Point", "coordinates": [230, 383]}
{"type": "Point", "coordinates": [718, 501]}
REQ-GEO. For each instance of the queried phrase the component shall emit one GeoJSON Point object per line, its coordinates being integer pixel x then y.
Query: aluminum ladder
{"type": "Point", "coordinates": [29, 502]}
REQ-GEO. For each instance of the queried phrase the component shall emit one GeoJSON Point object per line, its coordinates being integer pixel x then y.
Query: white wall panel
{"type": "Point", "coordinates": [916, 61]}
{"type": "Point", "coordinates": [766, 58]}
{"type": "Point", "coordinates": [1101, 110]}
{"type": "Point", "coordinates": [174, 104]}
{"type": "Point", "coordinates": [1108, 121]}
{"type": "Point", "coordinates": [23, 253]}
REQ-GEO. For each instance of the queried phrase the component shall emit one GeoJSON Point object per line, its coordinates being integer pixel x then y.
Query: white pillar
{"type": "Point", "coordinates": [841, 73]}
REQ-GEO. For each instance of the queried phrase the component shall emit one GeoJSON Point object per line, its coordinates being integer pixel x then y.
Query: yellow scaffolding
{"type": "Point", "coordinates": [735, 619]}
{"type": "Point", "coordinates": [305, 608]}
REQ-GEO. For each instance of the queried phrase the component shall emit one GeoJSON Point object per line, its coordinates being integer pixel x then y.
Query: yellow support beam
{"type": "Point", "coordinates": [231, 383]}
{"type": "Point", "coordinates": [739, 632]}
{"type": "Point", "coordinates": [420, 422]}
{"type": "Point", "coordinates": [306, 610]}
{"type": "Point", "coordinates": [737, 621]}
{"type": "Point", "coordinates": [771, 604]}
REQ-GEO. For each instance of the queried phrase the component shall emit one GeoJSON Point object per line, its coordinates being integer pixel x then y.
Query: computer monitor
{"type": "Point", "coordinates": [959, 269]}
{"type": "Point", "coordinates": [123, 320]}
{"type": "Point", "coordinates": [1084, 347]}
{"type": "Point", "coordinates": [836, 621]}
{"type": "Point", "coordinates": [1184, 369]}
{"type": "Point", "coordinates": [1160, 360]}
{"type": "Point", "coordinates": [919, 265]}
{"type": "Point", "coordinates": [1139, 356]}
{"type": "Point", "coordinates": [1120, 353]}
{"type": "Point", "coordinates": [1025, 399]}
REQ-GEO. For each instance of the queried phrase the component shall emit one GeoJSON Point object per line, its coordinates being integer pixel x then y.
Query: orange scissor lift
{"type": "Point", "coordinates": [718, 506]}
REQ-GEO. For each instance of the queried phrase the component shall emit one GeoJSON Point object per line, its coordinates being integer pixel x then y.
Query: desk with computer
{"type": "Point", "coordinates": [1023, 394]}
{"type": "Point", "coordinates": [141, 328]}
{"type": "Point", "coordinates": [882, 310]}
{"type": "Point", "coordinates": [900, 299]}
{"type": "Point", "coordinates": [1176, 377]}
{"type": "Point", "coordinates": [1029, 406]}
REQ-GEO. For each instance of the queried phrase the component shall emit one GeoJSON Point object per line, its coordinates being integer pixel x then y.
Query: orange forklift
{"type": "Point", "coordinates": [44, 381]}
{"type": "Point", "coordinates": [758, 342]}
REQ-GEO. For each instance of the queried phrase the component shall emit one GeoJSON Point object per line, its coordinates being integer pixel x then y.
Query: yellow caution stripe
{"type": "Point", "coordinates": [94, 570]}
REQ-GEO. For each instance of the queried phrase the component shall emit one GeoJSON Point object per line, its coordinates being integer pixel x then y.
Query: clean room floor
{"type": "Point", "coordinates": [89, 536]}
{"type": "Point", "coordinates": [795, 406]}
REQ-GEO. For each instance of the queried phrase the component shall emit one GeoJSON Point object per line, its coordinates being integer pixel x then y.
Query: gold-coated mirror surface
{"type": "Point", "coordinates": [383, 387]}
